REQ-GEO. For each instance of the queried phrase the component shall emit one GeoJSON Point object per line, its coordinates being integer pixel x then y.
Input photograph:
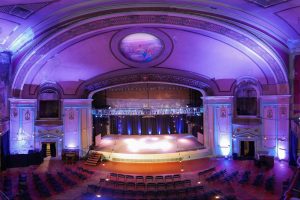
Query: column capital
{"type": "Point", "coordinates": [218, 99]}
{"type": "Point", "coordinates": [278, 99]}
{"type": "Point", "coordinates": [77, 102]}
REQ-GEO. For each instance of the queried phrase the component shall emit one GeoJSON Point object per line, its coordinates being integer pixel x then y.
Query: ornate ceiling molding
{"type": "Point", "coordinates": [23, 11]}
{"type": "Point", "coordinates": [256, 46]}
{"type": "Point", "coordinates": [153, 75]}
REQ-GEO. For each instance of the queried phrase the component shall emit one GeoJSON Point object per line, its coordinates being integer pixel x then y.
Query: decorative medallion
{"type": "Point", "coordinates": [283, 110]}
{"type": "Point", "coordinates": [269, 113]}
{"type": "Point", "coordinates": [223, 112]}
{"type": "Point", "coordinates": [15, 112]}
{"type": "Point", "coordinates": [71, 114]}
{"type": "Point", "coordinates": [27, 115]}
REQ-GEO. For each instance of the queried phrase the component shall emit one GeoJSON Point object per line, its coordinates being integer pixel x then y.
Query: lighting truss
{"type": "Point", "coordinates": [149, 111]}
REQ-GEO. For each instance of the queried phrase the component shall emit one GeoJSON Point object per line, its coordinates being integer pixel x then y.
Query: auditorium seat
{"type": "Point", "coordinates": [170, 185]}
{"type": "Point", "coordinates": [168, 178]}
{"type": "Point", "coordinates": [139, 179]}
{"type": "Point", "coordinates": [120, 185]}
{"type": "Point", "coordinates": [140, 186]}
{"type": "Point", "coordinates": [161, 186]}
{"type": "Point", "coordinates": [149, 179]}
{"type": "Point", "coordinates": [130, 186]}
{"type": "Point", "coordinates": [121, 177]}
{"type": "Point", "coordinates": [113, 176]}
{"type": "Point", "coordinates": [178, 184]}
{"type": "Point", "coordinates": [187, 182]}
{"type": "Point", "coordinates": [151, 186]}
{"type": "Point", "coordinates": [176, 177]}
{"type": "Point", "coordinates": [129, 178]}
{"type": "Point", "coordinates": [159, 179]}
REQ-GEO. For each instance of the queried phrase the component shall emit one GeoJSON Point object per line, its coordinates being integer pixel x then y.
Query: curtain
{"type": "Point", "coordinates": [44, 149]}
{"type": "Point", "coordinates": [4, 150]}
{"type": "Point", "coordinates": [293, 148]}
{"type": "Point", "coordinates": [53, 149]}
{"type": "Point", "coordinates": [160, 124]}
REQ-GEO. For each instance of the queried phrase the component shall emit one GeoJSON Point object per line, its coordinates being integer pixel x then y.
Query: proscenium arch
{"type": "Point", "coordinates": [90, 95]}
{"type": "Point", "coordinates": [151, 75]}
{"type": "Point", "coordinates": [38, 54]}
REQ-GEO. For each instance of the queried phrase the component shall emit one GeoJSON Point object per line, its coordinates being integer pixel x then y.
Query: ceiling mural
{"type": "Point", "coordinates": [141, 47]}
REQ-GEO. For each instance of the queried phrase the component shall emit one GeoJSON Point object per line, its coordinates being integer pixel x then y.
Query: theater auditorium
{"type": "Point", "coordinates": [139, 99]}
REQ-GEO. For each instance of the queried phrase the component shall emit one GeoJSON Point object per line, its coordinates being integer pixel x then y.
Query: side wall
{"type": "Point", "coordinates": [76, 133]}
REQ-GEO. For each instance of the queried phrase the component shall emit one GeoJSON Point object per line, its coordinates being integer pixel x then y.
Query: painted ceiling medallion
{"type": "Point", "coordinates": [141, 47]}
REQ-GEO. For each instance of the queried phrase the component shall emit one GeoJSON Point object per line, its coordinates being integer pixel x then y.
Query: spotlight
{"type": "Point", "coordinates": [107, 179]}
{"type": "Point", "coordinates": [182, 170]}
{"type": "Point", "coordinates": [199, 182]}
{"type": "Point", "coordinates": [98, 195]}
{"type": "Point", "coordinates": [217, 197]}
{"type": "Point", "coordinates": [103, 164]}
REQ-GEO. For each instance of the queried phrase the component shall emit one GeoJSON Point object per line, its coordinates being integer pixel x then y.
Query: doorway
{"type": "Point", "coordinates": [49, 149]}
{"type": "Point", "coordinates": [247, 149]}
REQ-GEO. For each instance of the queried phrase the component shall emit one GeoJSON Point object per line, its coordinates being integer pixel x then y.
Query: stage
{"type": "Point", "coordinates": [151, 148]}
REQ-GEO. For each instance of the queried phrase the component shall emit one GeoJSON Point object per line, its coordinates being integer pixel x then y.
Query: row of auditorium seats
{"type": "Point", "coordinates": [144, 186]}
{"type": "Point", "coordinates": [245, 178]}
{"type": "Point", "coordinates": [7, 187]}
{"type": "Point", "coordinates": [184, 193]}
{"type": "Point", "coordinates": [259, 180]}
{"type": "Point", "coordinates": [146, 179]}
{"type": "Point", "coordinates": [270, 184]}
{"type": "Point", "coordinates": [41, 186]}
{"type": "Point", "coordinates": [216, 175]}
{"type": "Point", "coordinates": [292, 186]}
{"type": "Point", "coordinates": [207, 171]}
{"type": "Point", "coordinates": [65, 179]}
{"type": "Point", "coordinates": [229, 178]}
{"type": "Point", "coordinates": [23, 188]}
{"type": "Point", "coordinates": [54, 183]}
{"type": "Point", "coordinates": [85, 170]}
{"type": "Point", "coordinates": [76, 174]}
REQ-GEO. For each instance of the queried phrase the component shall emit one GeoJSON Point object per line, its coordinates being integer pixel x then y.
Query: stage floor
{"type": "Point", "coordinates": [151, 148]}
{"type": "Point", "coordinates": [149, 144]}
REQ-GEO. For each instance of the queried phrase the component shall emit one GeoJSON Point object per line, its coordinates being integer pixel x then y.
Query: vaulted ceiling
{"type": "Point", "coordinates": [69, 42]}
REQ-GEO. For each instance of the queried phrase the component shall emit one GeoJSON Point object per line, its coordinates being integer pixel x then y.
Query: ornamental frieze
{"type": "Point", "coordinates": [147, 77]}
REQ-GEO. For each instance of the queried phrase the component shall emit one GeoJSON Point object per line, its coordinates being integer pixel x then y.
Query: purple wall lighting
{"type": "Point", "coordinates": [24, 38]}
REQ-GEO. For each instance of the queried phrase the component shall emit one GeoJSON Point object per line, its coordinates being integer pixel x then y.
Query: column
{"type": "Point", "coordinates": [218, 124]}
{"type": "Point", "coordinates": [275, 125]}
{"type": "Point", "coordinates": [5, 66]}
{"type": "Point", "coordinates": [77, 120]}
{"type": "Point", "coordinates": [294, 78]}
{"type": "Point", "coordinates": [22, 117]}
